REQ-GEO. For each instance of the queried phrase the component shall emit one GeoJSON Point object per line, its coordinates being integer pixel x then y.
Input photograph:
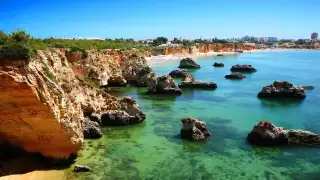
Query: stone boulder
{"type": "Point", "coordinates": [218, 64]}
{"type": "Point", "coordinates": [194, 129]}
{"type": "Point", "coordinates": [191, 83]}
{"type": "Point", "coordinates": [235, 76]}
{"type": "Point", "coordinates": [81, 168]}
{"type": "Point", "coordinates": [281, 89]}
{"type": "Point", "coordinates": [188, 63]}
{"type": "Point", "coordinates": [119, 118]}
{"type": "Point", "coordinates": [179, 73]}
{"type": "Point", "coordinates": [91, 129]}
{"type": "Point", "coordinates": [243, 68]}
{"type": "Point", "coordinates": [146, 77]}
{"type": "Point", "coordinates": [164, 85]}
{"type": "Point", "coordinates": [117, 81]}
{"type": "Point", "coordinates": [267, 134]}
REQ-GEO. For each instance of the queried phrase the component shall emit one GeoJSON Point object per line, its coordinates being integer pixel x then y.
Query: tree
{"type": "Point", "coordinates": [20, 36]}
{"type": "Point", "coordinates": [3, 37]}
{"type": "Point", "coordinates": [160, 40]}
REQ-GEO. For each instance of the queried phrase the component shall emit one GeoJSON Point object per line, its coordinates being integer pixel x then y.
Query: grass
{"type": "Point", "coordinates": [48, 73]}
{"type": "Point", "coordinates": [89, 81]}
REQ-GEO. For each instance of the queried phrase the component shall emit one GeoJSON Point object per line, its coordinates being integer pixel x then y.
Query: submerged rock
{"type": "Point", "coordinates": [282, 89]}
{"type": "Point", "coordinates": [219, 54]}
{"type": "Point", "coordinates": [194, 129]}
{"type": "Point", "coordinates": [243, 68]}
{"type": "Point", "coordinates": [218, 64]}
{"type": "Point", "coordinates": [190, 82]}
{"type": "Point", "coordinates": [81, 168]}
{"type": "Point", "coordinates": [179, 73]}
{"type": "Point", "coordinates": [164, 85]}
{"type": "Point", "coordinates": [188, 63]}
{"type": "Point", "coordinates": [235, 76]}
{"type": "Point", "coordinates": [118, 118]}
{"type": "Point", "coordinates": [267, 134]}
{"type": "Point", "coordinates": [91, 129]}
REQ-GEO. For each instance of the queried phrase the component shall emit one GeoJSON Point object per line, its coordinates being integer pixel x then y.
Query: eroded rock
{"type": "Point", "coordinates": [190, 83]}
{"type": "Point", "coordinates": [179, 73]}
{"type": "Point", "coordinates": [81, 168]}
{"type": "Point", "coordinates": [235, 76]}
{"type": "Point", "coordinates": [164, 85]}
{"type": "Point", "coordinates": [188, 63]}
{"type": "Point", "coordinates": [243, 68]}
{"type": "Point", "coordinates": [91, 129]}
{"type": "Point", "coordinates": [194, 129]}
{"type": "Point", "coordinates": [280, 89]}
{"type": "Point", "coordinates": [267, 134]}
{"type": "Point", "coordinates": [145, 77]}
{"type": "Point", "coordinates": [216, 64]}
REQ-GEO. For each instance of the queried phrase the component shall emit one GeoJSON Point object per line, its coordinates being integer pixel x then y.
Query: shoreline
{"type": "Point", "coordinates": [165, 58]}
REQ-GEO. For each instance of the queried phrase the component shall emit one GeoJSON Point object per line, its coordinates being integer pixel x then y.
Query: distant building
{"type": "Point", "coordinates": [314, 36]}
{"type": "Point", "coordinates": [272, 39]}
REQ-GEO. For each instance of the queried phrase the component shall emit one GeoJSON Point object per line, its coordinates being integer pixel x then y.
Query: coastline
{"type": "Point", "coordinates": [173, 57]}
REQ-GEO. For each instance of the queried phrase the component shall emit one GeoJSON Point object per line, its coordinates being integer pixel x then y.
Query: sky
{"type": "Point", "coordinates": [142, 19]}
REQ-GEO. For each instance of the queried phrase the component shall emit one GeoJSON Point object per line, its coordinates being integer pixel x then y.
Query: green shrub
{"type": "Point", "coordinates": [145, 70]}
{"type": "Point", "coordinates": [134, 56]}
{"type": "Point", "coordinates": [14, 51]}
{"type": "Point", "coordinates": [90, 82]}
{"type": "Point", "coordinates": [162, 78]}
{"type": "Point", "coordinates": [77, 49]}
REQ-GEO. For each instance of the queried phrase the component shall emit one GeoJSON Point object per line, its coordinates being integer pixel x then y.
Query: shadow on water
{"type": "Point", "coordinates": [280, 102]}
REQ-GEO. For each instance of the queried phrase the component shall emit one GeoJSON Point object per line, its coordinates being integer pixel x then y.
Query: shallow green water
{"type": "Point", "coordinates": [154, 150]}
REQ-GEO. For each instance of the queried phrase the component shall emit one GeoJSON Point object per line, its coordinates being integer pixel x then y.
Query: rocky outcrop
{"type": "Point", "coordinates": [243, 68]}
{"type": "Point", "coordinates": [91, 129]}
{"type": "Point", "coordinates": [235, 76]}
{"type": "Point", "coordinates": [164, 85]}
{"type": "Point", "coordinates": [43, 101]}
{"type": "Point", "coordinates": [81, 168]}
{"type": "Point", "coordinates": [190, 83]}
{"type": "Point", "coordinates": [119, 118]}
{"type": "Point", "coordinates": [145, 77]}
{"type": "Point", "coordinates": [116, 81]}
{"type": "Point", "coordinates": [189, 64]}
{"type": "Point", "coordinates": [194, 129]}
{"type": "Point", "coordinates": [179, 73]}
{"type": "Point", "coordinates": [216, 64]}
{"type": "Point", "coordinates": [308, 87]}
{"type": "Point", "coordinates": [280, 89]}
{"type": "Point", "coordinates": [267, 134]}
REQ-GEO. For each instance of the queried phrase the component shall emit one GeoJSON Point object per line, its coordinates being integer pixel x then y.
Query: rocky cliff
{"type": "Point", "coordinates": [43, 101]}
{"type": "Point", "coordinates": [202, 48]}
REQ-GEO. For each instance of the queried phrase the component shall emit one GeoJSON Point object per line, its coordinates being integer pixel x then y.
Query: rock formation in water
{"type": "Point", "coordinates": [164, 85]}
{"type": "Point", "coordinates": [281, 89]}
{"type": "Point", "coordinates": [216, 64]}
{"type": "Point", "coordinates": [145, 77]}
{"type": "Point", "coordinates": [43, 101]}
{"type": "Point", "coordinates": [243, 68]}
{"type": "Point", "coordinates": [91, 129]}
{"type": "Point", "coordinates": [267, 134]}
{"type": "Point", "coordinates": [194, 129]}
{"type": "Point", "coordinates": [189, 64]}
{"type": "Point", "coordinates": [179, 73]}
{"type": "Point", "coordinates": [190, 83]}
{"type": "Point", "coordinates": [235, 75]}
{"type": "Point", "coordinates": [81, 168]}
{"type": "Point", "coordinates": [308, 87]}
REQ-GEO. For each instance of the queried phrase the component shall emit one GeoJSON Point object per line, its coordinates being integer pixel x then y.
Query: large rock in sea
{"type": "Point", "coordinates": [194, 129]}
{"type": "Point", "coordinates": [117, 81]}
{"type": "Point", "coordinates": [179, 73]}
{"type": "Point", "coordinates": [164, 85]}
{"type": "Point", "coordinates": [190, 83]}
{"type": "Point", "coordinates": [91, 129]}
{"type": "Point", "coordinates": [267, 134]}
{"type": "Point", "coordinates": [235, 75]}
{"type": "Point", "coordinates": [216, 64]}
{"type": "Point", "coordinates": [119, 118]}
{"type": "Point", "coordinates": [189, 64]}
{"type": "Point", "coordinates": [281, 89]}
{"type": "Point", "coordinates": [145, 77]}
{"type": "Point", "coordinates": [243, 68]}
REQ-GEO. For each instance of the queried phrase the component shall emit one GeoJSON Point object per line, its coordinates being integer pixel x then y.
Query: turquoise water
{"type": "Point", "coordinates": [154, 150]}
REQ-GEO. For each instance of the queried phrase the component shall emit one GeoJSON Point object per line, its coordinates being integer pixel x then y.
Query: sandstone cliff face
{"type": "Point", "coordinates": [43, 102]}
{"type": "Point", "coordinates": [203, 48]}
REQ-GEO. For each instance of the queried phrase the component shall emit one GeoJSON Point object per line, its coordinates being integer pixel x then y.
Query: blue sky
{"type": "Point", "coordinates": [142, 19]}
